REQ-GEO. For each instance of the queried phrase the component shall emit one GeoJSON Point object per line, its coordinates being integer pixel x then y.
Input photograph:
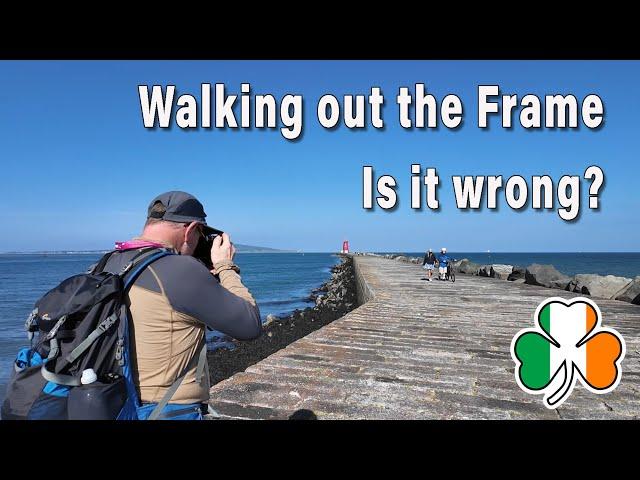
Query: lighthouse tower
{"type": "Point", "coordinates": [345, 247]}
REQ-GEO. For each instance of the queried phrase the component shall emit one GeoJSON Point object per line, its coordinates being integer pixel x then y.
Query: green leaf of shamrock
{"type": "Point", "coordinates": [532, 350]}
{"type": "Point", "coordinates": [568, 341]}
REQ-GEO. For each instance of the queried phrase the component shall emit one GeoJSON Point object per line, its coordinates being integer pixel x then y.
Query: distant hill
{"type": "Point", "coordinates": [240, 248]}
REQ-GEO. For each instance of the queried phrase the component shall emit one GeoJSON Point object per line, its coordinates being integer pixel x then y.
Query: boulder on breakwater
{"type": "Point", "coordinates": [603, 286]}
{"type": "Point", "coordinates": [545, 276]}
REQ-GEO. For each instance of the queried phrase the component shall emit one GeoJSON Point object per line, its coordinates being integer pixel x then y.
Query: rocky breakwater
{"type": "Point", "coordinates": [333, 300]}
{"type": "Point", "coordinates": [609, 287]}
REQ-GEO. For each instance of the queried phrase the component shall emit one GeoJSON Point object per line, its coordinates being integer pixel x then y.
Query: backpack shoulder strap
{"type": "Point", "coordinates": [130, 272]}
{"type": "Point", "coordinates": [139, 262]}
{"type": "Point", "coordinates": [201, 361]}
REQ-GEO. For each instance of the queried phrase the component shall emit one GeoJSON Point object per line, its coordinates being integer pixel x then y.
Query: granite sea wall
{"type": "Point", "coordinates": [333, 299]}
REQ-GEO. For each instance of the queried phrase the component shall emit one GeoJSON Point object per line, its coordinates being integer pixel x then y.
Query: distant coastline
{"type": "Point", "coordinates": [240, 248]}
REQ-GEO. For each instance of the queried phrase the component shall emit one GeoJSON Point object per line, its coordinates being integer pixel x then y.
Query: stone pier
{"type": "Point", "coordinates": [422, 350]}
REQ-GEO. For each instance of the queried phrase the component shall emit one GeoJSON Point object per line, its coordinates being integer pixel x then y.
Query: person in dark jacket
{"type": "Point", "coordinates": [429, 263]}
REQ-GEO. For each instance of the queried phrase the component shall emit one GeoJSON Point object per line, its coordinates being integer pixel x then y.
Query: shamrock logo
{"type": "Point", "coordinates": [567, 344]}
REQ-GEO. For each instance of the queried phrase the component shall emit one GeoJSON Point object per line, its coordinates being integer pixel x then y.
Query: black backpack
{"type": "Point", "coordinates": [83, 325]}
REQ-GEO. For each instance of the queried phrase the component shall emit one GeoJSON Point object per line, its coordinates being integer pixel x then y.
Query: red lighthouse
{"type": "Point", "coordinates": [345, 246]}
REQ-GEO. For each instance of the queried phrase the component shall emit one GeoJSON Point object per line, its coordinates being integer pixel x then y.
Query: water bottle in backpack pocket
{"type": "Point", "coordinates": [97, 400]}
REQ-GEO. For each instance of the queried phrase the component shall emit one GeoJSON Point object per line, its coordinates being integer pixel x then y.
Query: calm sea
{"type": "Point", "coordinates": [280, 283]}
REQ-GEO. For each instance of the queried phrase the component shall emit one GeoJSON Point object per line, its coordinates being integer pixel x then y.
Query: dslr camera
{"type": "Point", "coordinates": [203, 249]}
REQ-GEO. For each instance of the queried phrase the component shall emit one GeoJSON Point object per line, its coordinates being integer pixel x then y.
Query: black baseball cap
{"type": "Point", "coordinates": [181, 207]}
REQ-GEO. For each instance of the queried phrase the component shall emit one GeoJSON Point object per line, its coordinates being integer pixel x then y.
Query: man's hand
{"type": "Point", "coordinates": [222, 249]}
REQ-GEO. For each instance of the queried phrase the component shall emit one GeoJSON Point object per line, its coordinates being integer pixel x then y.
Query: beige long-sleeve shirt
{"type": "Point", "coordinates": [172, 303]}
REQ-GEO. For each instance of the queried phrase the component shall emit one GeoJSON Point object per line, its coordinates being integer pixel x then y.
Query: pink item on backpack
{"type": "Point", "coordinates": [133, 244]}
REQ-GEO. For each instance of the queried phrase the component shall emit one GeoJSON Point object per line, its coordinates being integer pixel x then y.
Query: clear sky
{"type": "Point", "coordinates": [79, 168]}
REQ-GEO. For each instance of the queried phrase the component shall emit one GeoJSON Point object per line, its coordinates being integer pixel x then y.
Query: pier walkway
{"type": "Point", "coordinates": [423, 350]}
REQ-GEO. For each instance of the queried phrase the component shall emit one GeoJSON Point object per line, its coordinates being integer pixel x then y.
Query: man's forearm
{"type": "Point", "coordinates": [231, 281]}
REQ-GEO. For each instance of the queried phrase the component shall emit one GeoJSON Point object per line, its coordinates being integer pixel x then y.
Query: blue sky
{"type": "Point", "coordinates": [79, 168]}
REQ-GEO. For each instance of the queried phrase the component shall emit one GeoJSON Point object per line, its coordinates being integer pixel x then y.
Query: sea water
{"type": "Point", "coordinates": [280, 283]}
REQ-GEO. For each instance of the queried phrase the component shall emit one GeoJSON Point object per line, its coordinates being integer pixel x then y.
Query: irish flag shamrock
{"type": "Point", "coordinates": [568, 343]}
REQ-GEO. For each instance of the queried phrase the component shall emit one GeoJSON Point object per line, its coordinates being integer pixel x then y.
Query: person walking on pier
{"type": "Point", "coordinates": [443, 262]}
{"type": "Point", "coordinates": [429, 263]}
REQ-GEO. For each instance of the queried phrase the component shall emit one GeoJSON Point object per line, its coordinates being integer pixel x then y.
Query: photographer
{"type": "Point", "coordinates": [176, 298]}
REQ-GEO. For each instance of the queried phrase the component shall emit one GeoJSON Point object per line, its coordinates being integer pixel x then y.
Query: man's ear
{"type": "Point", "coordinates": [191, 231]}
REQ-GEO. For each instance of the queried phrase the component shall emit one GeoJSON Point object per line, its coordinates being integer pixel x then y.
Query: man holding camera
{"type": "Point", "coordinates": [176, 299]}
